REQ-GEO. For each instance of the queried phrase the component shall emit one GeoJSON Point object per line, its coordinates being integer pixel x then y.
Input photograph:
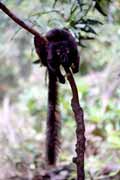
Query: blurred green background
{"type": "Point", "coordinates": [23, 89]}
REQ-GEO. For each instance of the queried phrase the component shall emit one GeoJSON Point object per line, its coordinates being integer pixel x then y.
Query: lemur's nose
{"type": "Point", "coordinates": [64, 59]}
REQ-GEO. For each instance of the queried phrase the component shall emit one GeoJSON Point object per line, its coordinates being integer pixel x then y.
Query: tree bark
{"type": "Point", "coordinates": [80, 129]}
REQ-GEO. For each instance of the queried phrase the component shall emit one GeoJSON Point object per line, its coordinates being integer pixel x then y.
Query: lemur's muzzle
{"type": "Point", "coordinates": [64, 60]}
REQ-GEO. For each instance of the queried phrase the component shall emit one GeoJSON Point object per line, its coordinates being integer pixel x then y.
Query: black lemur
{"type": "Point", "coordinates": [57, 48]}
{"type": "Point", "coordinates": [60, 48]}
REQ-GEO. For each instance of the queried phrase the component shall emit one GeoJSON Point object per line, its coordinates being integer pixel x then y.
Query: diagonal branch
{"type": "Point", "coordinates": [19, 21]}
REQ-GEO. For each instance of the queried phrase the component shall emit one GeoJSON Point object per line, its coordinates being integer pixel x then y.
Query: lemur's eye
{"type": "Point", "coordinates": [58, 52]}
{"type": "Point", "coordinates": [67, 51]}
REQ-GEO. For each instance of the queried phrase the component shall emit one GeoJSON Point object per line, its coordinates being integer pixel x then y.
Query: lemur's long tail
{"type": "Point", "coordinates": [53, 121]}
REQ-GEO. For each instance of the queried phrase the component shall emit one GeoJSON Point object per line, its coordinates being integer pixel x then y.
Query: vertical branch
{"type": "Point", "coordinates": [80, 130]}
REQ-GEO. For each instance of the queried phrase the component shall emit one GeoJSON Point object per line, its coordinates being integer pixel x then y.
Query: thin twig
{"type": "Point", "coordinates": [60, 13]}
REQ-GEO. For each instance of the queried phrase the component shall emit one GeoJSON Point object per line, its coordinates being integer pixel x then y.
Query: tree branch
{"type": "Point", "coordinates": [19, 21]}
{"type": "Point", "coordinates": [80, 130]}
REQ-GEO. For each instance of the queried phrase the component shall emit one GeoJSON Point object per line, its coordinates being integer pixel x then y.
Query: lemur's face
{"type": "Point", "coordinates": [61, 54]}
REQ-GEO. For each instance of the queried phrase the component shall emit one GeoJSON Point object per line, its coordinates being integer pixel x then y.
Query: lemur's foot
{"type": "Point", "coordinates": [61, 79]}
{"type": "Point", "coordinates": [74, 68]}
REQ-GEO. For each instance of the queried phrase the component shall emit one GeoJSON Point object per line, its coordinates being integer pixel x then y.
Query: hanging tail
{"type": "Point", "coordinates": [53, 122]}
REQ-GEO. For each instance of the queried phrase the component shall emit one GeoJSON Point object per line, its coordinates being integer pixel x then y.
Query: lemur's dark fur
{"type": "Point", "coordinates": [59, 49]}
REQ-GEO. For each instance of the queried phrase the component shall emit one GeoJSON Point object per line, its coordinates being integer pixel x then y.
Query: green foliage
{"type": "Point", "coordinates": [98, 81]}
{"type": "Point", "coordinates": [102, 6]}
{"type": "Point", "coordinates": [76, 18]}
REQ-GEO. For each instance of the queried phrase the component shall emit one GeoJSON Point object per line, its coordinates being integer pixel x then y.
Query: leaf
{"type": "Point", "coordinates": [36, 61]}
{"type": "Point", "coordinates": [82, 45]}
{"type": "Point", "coordinates": [88, 29]}
{"type": "Point", "coordinates": [86, 38]}
{"type": "Point", "coordinates": [102, 6]}
{"type": "Point", "coordinates": [97, 6]}
{"type": "Point", "coordinates": [93, 22]}
{"type": "Point", "coordinates": [80, 4]}
{"type": "Point", "coordinates": [54, 4]}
